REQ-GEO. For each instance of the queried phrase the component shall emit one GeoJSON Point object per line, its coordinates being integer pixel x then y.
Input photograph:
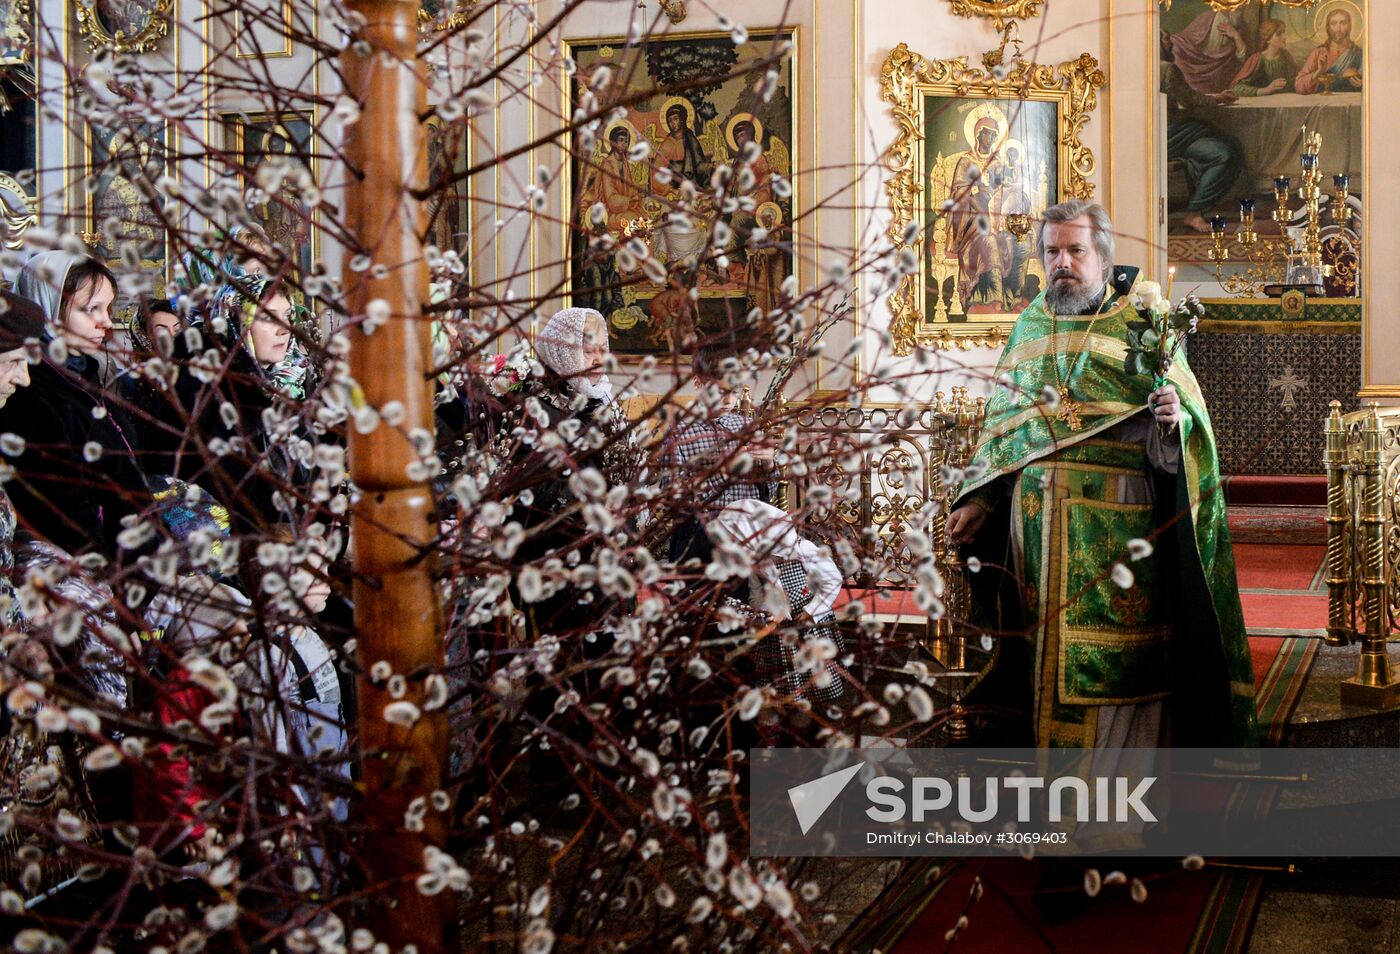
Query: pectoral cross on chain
{"type": "Point", "coordinates": [1069, 411]}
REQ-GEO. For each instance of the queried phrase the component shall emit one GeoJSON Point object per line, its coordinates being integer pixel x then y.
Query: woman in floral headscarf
{"type": "Point", "coordinates": [244, 250]}
{"type": "Point", "coordinates": [246, 257]}
{"type": "Point", "coordinates": [238, 360]}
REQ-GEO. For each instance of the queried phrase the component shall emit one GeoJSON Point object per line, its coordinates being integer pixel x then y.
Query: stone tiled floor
{"type": "Point", "coordinates": [1350, 906]}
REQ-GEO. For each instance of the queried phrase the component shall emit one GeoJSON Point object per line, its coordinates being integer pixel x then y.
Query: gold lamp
{"type": "Point", "coordinates": [1019, 225]}
{"type": "Point", "coordinates": [1219, 249]}
{"type": "Point", "coordinates": [1246, 235]}
{"type": "Point", "coordinates": [1341, 191]}
{"type": "Point", "coordinates": [1282, 214]}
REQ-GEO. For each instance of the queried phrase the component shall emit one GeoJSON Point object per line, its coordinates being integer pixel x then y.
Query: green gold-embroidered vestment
{"type": "Point", "coordinates": [1096, 642]}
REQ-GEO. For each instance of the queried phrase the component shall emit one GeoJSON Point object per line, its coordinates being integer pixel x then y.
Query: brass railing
{"type": "Point", "coordinates": [1363, 546]}
{"type": "Point", "coordinates": [887, 469]}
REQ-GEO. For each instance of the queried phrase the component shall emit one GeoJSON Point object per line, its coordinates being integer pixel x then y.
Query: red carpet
{"type": "Point", "coordinates": [1284, 568]}
{"type": "Point", "coordinates": [1305, 490]}
{"type": "Point", "coordinates": [1280, 615]}
{"type": "Point", "coordinates": [1005, 919]}
{"type": "Point", "coordinates": [1281, 589]}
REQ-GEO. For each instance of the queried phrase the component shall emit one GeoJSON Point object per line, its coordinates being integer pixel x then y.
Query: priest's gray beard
{"type": "Point", "coordinates": [1064, 300]}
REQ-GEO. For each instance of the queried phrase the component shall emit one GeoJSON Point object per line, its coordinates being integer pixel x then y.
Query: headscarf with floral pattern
{"type": "Point", "coordinates": [231, 315]}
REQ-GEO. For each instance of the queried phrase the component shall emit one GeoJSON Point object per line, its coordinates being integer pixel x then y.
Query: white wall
{"type": "Point", "coordinates": [1380, 338]}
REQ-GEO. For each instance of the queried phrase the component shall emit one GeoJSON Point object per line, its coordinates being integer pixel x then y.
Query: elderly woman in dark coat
{"type": "Point", "coordinates": [577, 401]}
{"type": "Point", "coordinates": [571, 442]}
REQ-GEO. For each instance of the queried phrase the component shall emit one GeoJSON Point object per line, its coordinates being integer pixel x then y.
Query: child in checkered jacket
{"type": "Point", "coordinates": [799, 582]}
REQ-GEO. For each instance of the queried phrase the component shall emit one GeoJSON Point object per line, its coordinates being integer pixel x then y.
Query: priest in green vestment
{"type": "Point", "coordinates": [1094, 505]}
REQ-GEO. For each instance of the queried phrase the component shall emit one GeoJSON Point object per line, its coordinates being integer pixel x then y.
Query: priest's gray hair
{"type": "Point", "coordinates": [1098, 218]}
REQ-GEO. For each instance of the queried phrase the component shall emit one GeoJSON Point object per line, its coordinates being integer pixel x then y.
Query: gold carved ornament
{"type": "Point", "coordinates": [430, 23]}
{"type": "Point", "coordinates": [17, 23]}
{"type": "Point", "coordinates": [905, 79]}
{"type": "Point", "coordinates": [999, 11]}
{"type": "Point", "coordinates": [1227, 5]}
{"type": "Point", "coordinates": [20, 211]}
{"type": "Point", "coordinates": [95, 33]}
{"type": "Point", "coordinates": [674, 9]}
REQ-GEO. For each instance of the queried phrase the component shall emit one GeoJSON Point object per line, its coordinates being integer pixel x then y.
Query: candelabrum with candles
{"type": "Point", "coordinates": [1263, 256]}
{"type": "Point", "coordinates": [1295, 260]}
{"type": "Point", "coordinates": [1311, 270]}
{"type": "Point", "coordinates": [1265, 259]}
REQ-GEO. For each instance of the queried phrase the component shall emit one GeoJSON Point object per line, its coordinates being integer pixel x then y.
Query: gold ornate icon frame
{"type": "Point", "coordinates": [908, 81]}
{"type": "Point", "coordinates": [97, 36]}
{"type": "Point", "coordinates": [428, 23]}
{"type": "Point", "coordinates": [999, 11]}
{"type": "Point", "coordinates": [1225, 6]}
{"type": "Point", "coordinates": [18, 24]}
{"type": "Point", "coordinates": [20, 211]}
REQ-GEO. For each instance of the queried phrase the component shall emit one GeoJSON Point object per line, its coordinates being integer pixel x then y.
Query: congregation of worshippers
{"type": "Point", "coordinates": [200, 424]}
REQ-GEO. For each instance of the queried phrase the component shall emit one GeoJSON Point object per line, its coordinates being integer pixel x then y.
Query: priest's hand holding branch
{"type": "Point", "coordinates": [964, 522]}
{"type": "Point", "coordinates": [1166, 406]}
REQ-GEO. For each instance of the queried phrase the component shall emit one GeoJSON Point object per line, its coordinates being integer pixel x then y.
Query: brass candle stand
{"type": "Point", "coordinates": [1294, 261]}
{"type": "Point", "coordinates": [1341, 192]}
{"type": "Point", "coordinates": [1361, 457]}
{"type": "Point", "coordinates": [961, 420]}
{"type": "Point", "coordinates": [1311, 194]}
{"type": "Point", "coordinates": [1282, 214]}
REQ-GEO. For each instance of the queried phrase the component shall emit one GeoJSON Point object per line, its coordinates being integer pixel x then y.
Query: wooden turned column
{"type": "Point", "coordinates": [397, 616]}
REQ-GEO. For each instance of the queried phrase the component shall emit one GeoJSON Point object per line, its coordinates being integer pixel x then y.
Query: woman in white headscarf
{"type": "Point", "coordinates": [79, 463]}
{"type": "Point", "coordinates": [577, 402]}
{"type": "Point", "coordinates": [580, 437]}
{"type": "Point", "coordinates": [574, 347]}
